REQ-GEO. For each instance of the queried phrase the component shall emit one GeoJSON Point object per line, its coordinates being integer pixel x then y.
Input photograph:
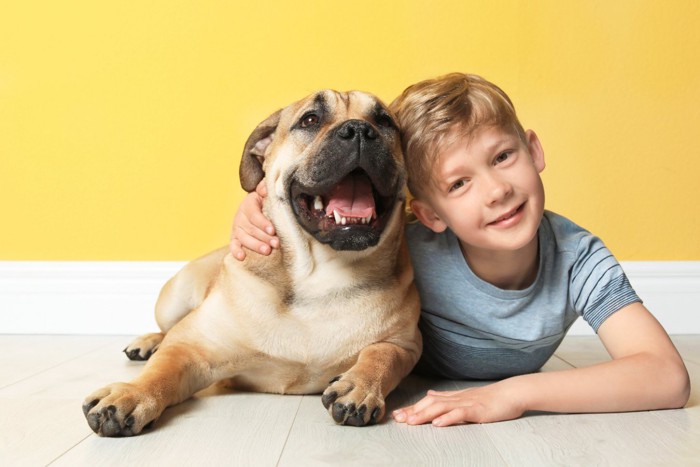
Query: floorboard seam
{"type": "Point", "coordinates": [289, 432]}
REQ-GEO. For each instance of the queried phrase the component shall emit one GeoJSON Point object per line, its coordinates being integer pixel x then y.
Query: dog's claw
{"type": "Point", "coordinates": [93, 420]}
{"type": "Point", "coordinates": [88, 407]}
{"type": "Point", "coordinates": [134, 354]}
{"type": "Point", "coordinates": [340, 411]}
{"type": "Point", "coordinates": [328, 399]}
{"type": "Point", "coordinates": [375, 416]}
{"type": "Point", "coordinates": [358, 417]}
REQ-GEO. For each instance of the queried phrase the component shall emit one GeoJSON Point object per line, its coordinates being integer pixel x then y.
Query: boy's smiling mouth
{"type": "Point", "coordinates": [509, 218]}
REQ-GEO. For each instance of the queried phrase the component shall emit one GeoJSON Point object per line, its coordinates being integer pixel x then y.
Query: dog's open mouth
{"type": "Point", "coordinates": [351, 215]}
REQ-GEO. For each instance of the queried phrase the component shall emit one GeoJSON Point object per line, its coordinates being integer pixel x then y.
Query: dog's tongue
{"type": "Point", "coordinates": [352, 197]}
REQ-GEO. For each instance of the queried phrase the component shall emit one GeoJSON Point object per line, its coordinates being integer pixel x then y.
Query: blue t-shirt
{"type": "Point", "coordinates": [474, 330]}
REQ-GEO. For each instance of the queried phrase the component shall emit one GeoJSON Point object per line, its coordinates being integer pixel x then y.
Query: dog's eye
{"type": "Point", "coordinates": [385, 121]}
{"type": "Point", "coordinates": [309, 120]}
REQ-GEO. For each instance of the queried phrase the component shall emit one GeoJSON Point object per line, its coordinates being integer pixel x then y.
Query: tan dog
{"type": "Point", "coordinates": [333, 310]}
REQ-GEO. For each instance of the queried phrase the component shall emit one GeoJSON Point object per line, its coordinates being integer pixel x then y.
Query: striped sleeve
{"type": "Point", "coordinates": [599, 286]}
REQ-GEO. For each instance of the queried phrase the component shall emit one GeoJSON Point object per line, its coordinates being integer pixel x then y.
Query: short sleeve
{"type": "Point", "coordinates": [599, 286]}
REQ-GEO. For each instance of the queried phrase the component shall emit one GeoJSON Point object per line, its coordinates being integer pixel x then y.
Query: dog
{"type": "Point", "coordinates": [332, 310]}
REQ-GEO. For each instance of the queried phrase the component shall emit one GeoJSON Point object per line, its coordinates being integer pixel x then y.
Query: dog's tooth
{"type": "Point", "coordinates": [336, 215]}
{"type": "Point", "coordinates": [318, 203]}
{"type": "Point", "coordinates": [343, 220]}
{"type": "Point", "coordinates": [368, 219]}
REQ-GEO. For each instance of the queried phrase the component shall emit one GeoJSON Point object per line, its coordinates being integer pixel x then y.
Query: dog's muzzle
{"type": "Point", "coordinates": [345, 196]}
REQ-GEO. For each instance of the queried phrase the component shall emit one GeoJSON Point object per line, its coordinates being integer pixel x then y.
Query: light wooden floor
{"type": "Point", "coordinates": [43, 380]}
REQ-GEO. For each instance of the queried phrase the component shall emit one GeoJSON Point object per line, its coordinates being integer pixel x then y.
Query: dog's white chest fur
{"type": "Point", "coordinates": [324, 312]}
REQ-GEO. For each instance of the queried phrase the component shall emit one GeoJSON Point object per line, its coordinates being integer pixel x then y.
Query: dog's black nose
{"type": "Point", "coordinates": [356, 129]}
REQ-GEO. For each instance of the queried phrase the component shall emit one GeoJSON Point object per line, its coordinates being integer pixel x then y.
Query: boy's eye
{"type": "Point", "coordinates": [502, 157]}
{"type": "Point", "coordinates": [457, 185]}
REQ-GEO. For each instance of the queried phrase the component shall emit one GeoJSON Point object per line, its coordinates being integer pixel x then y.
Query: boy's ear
{"type": "Point", "coordinates": [536, 152]}
{"type": "Point", "coordinates": [427, 216]}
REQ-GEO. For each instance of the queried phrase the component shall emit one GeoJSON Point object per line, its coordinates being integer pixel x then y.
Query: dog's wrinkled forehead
{"type": "Point", "coordinates": [330, 107]}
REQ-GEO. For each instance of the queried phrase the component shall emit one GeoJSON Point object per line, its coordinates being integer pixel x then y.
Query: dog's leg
{"type": "Point", "coordinates": [356, 397]}
{"type": "Point", "coordinates": [176, 300]}
{"type": "Point", "coordinates": [172, 375]}
{"type": "Point", "coordinates": [183, 293]}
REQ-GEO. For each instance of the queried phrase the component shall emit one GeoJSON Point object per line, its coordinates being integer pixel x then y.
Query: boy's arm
{"type": "Point", "coordinates": [251, 229]}
{"type": "Point", "coordinates": [645, 373]}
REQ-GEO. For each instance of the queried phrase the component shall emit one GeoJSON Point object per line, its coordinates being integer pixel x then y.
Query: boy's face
{"type": "Point", "coordinates": [487, 190]}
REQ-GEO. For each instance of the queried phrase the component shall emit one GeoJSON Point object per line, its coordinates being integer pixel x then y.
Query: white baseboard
{"type": "Point", "coordinates": [81, 297]}
{"type": "Point", "coordinates": [118, 297]}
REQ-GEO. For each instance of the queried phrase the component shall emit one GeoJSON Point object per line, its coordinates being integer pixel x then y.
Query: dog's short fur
{"type": "Point", "coordinates": [334, 309]}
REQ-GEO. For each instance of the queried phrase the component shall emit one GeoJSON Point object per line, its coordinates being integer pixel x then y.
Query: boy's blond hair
{"type": "Point", "coordinates": [428, 111]}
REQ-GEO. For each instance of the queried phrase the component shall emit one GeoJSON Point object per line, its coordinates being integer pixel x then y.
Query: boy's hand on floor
{"type": "Point", "coordinates": [473, 405]}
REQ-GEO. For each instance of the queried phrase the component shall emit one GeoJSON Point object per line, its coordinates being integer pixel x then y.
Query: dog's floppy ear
{"type": "Point", "coordinates": [251, 171]}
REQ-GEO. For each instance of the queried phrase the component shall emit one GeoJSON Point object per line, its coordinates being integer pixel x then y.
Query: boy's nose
{"type": "Point", "coordinates": [497, 189]}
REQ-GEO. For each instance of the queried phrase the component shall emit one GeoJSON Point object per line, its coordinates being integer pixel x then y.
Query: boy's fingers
{"type": "Point", "coordinates": [259, 221]}
{"type": "Point", "coordinates": [442, 408]}
{"type": "Point", "coordinates": [427, 415]}
{"type": "Point", "coordinates": [453, 417]}
{"type": "Point", "coordinates": [399, 415]}
{"type": "Point", "coordinates": [236, 249]}
{"type": "Point", "coordinates": [261, 189]}
{"type": "Point", "coordinates": [255, 240]}
{"type": "Point", "coordinates": [433, 392]}
{"type": "Point", "coordinates": [431, 398]}
{"type": "Point", "coordinates": [433, 411]}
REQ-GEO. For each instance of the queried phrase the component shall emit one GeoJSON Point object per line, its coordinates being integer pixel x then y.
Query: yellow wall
{"type": "Point", "coordinates": [122, 122]}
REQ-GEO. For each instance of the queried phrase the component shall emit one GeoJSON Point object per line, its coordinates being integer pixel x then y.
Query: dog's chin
{"type": "Point", "coordinates": [351, 233]}
{"type": "Point", "coordinates": [348, 238]}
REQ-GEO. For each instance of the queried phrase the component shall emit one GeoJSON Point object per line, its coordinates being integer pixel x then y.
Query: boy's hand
{"type": "Point", "coordinates": [617, 385]}
{"type": "Point", "coordinates": [251, 229]}
{"type": "Point", "coordinates": [473, 405]}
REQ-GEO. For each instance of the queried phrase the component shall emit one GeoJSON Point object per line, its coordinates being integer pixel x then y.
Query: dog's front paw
{"type": "Point", "coordinates": [144, 346]}
{"type": "Point", "coordinates": [353, 402]}
{"type": "Point", "coordinates": [120, 409]}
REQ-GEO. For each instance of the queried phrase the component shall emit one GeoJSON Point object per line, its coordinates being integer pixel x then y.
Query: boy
{"type": "Point", "coordinates": [501, 280]}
